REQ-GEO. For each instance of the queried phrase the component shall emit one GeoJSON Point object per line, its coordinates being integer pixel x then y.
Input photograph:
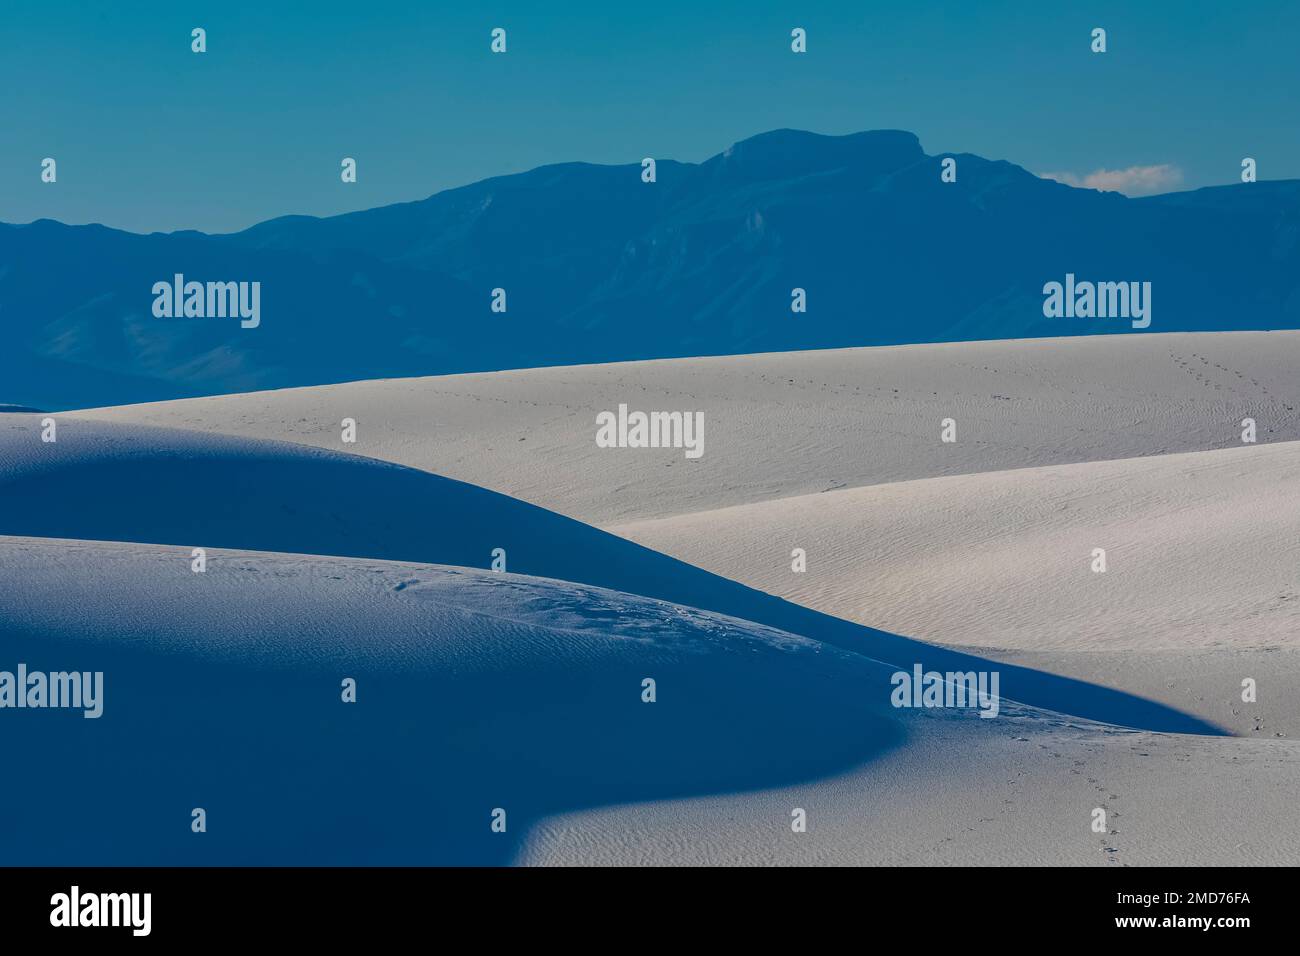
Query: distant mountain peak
{"type": "Point", "coordinates": [792, 152]}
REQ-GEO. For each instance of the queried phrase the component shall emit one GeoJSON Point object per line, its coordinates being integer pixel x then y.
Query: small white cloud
{"type": "Point", "coordinates": [1134, 181]}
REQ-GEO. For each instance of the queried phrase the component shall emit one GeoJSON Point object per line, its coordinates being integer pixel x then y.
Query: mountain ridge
{"type": "Point", "coordinates": [599, 266]}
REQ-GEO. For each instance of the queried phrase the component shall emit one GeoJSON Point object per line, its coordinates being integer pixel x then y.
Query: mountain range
{"type": "Point", "coordinates": [599, 266]}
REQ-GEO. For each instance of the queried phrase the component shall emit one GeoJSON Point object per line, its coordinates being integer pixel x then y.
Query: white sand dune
{"type": "Point", "coordinates": [110, 482]}
{"type": "Point", "coordinates": [973, 555]}
{"type": "Point", "coordinates": [788, 424]}
{"type": "Point", "coordinates": [1200, 589]}
{"type": "Point", "coordinates": [828, 448]}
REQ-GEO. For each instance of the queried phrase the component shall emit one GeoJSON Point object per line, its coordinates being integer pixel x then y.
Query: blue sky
{"type": "Point", "coordinates": [149, 136]}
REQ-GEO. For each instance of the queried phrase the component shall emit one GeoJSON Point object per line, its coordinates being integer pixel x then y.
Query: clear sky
{"type": "Point", "coordinates": [150, 136]}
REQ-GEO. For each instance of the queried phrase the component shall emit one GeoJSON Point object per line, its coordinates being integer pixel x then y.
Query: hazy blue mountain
{"type": "Point", "coordinates": [600, 266]}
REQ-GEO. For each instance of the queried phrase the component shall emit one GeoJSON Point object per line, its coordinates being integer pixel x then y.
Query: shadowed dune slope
{"type": "Point", "coordinates": [138, 484]}
{"type": "Point", "coordinates": [474, 691]}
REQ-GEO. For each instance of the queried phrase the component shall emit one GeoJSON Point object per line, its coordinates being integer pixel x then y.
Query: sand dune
{"type": "Point", "coordinates": [968, 556]}
{"type": "Point", "coordinates": [108, 482]}
{"type": "Point", "coordinates": [1201, 551]}
{"type": "Point", "coordinates": [792, 423]}
{"type": "Point", "coordinates": [829, 447]}
{"type": "Point", "coordinates": [474, 691]}
{"type": "Point", "coordinates": [1199, 590]}
{"type": "Point", "coordinates": [478, 690]}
